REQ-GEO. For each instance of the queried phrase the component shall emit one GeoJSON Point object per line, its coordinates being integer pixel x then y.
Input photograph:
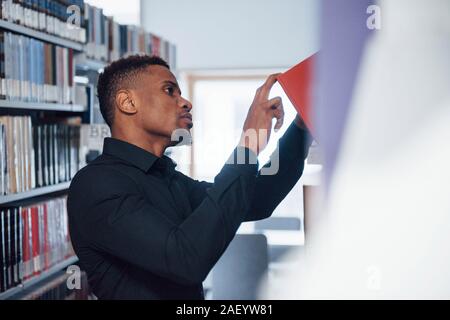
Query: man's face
{"type": "Point", "coordinates": [161, 109]}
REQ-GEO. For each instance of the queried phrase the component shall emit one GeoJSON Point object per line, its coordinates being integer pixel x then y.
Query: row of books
{"type": "Point", "coordinates": [34, 71]}
{"type": "Point", "coordinates": [33, 239]}
{"type": "Point", "coordinates": [58, 18]}
{"type": "Point", "coordinates": [57, 289]}
{"type": "Point", "coordinates": [108, 41]}
{"type": "Point", "coordinates": [36, 156]}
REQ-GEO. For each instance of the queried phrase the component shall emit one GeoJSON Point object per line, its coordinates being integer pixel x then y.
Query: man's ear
{"type": "Point", "coordinates": [125, 103]}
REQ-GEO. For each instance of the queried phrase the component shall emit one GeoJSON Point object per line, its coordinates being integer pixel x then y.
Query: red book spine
{"type": "Point", "coordinates": [35, 240]}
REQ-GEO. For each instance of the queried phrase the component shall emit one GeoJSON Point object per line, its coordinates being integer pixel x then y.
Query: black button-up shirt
{"type": "Point", "coordinates": [143, 230]}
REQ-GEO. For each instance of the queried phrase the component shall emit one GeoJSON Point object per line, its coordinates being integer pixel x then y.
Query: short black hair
{"type": "Point", "coordinates": [117, 76]}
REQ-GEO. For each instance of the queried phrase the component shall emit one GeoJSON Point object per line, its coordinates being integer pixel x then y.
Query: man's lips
{"type": "Point", "coordinates": [187, 116]}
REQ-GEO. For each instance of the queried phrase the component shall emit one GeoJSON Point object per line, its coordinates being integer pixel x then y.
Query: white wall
{"type": "Point", "coordinates": [234, 34]}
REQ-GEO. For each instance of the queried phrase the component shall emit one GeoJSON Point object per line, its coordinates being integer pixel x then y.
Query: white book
{"type": "Point", "coordinates": [18, 14]}
{"type": "Point", "coordinates": [39, 150]}
{"type": "Point", "coordinates": [15, 155]}
{"type": "Point", "coordinates": [8, 78]}
{"type": "Point", "coordinates": [21, 15]}
{"type": "Point", "coordinates": [48, 26]}
{"type": "Point", "coordinates": [21, 154]}
{"type": "Point", "coordinates": [58, 28]}
{"type": "Point", "coordinates": [5, 12]}
{"type": "Point", "coordinates": [15, 12]}
{"type": "Point", "coordinates": [10, 151]}
{"type": "Point", "coordinates": [51, 138]}
{"type": "Point", "coordinates": [24, 21]}
{"type": "Point", "coordinates": [82, 35]}
{"type": "Point", "coordinates": [27, 18]}
{"type": "Point", "coordinates": [31, 154]}
{"type": "Point", "coordinates": [42, 21]}
{"type": "Point", "coordinates": [66, 76]}
{"type": "Point", "coordinates": [55, 154]}
{"type": "Point", "coordinates": [45, 155]}
{"type": "Point", "coordinates": [25, 154]}
{"type": "Point", "coordinates": [34, 19]}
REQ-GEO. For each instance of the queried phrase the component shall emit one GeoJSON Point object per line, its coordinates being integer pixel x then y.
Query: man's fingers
{"type": "Point", "coordinates": [264, 91]}
{"type": "Point", "coordinates": [273, 103]}
{"type": "Point", "coordinates": [275, 106]}
{"type": "Point", "coordinates": [279, 115]}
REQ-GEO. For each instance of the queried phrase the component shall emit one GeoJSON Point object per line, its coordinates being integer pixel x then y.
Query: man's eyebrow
{"type": "Point", "coordinates": [173, 84]}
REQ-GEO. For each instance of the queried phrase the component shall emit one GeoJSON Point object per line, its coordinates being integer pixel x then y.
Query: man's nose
{"type": "Point", "coordinates": [185, 104]}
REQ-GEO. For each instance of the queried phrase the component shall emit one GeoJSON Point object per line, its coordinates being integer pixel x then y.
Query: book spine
{"type": "Point", "coordinates": [35, 240]}
{"type": "Point", "coordinates": [20, 244]}
{"type": "Point", "coordinates": [46, 240]}
{"type": "Point", "coordinates": [14, 246]}
{"type": "Point", "coordinates": [25, 252]}
{"type": "Point", "coordinates": [8, 250]}
{"type": "Point", "coordinates": [30, 242]}
{"type": "Point", "coordinates": [3, 156]}
{"type": "Point", "coordinates": [3, 285]}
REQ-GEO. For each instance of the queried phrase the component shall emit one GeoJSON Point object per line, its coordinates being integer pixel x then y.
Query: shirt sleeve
{"type": "Point", "coordinates": [285, 168]}
{"type": "Point", "coordinates": [113, 217]}
{"type": "Point", "coordinates": [281, 174]}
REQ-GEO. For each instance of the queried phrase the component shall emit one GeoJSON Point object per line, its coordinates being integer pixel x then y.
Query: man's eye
{"type": "Point", "coordinates": [170, 91]}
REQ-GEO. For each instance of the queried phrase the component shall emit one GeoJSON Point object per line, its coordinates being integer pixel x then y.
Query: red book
{"type": "Point", "coordinates": [297, 84]}
{"type": "Point", "coordinates": [35, 239]}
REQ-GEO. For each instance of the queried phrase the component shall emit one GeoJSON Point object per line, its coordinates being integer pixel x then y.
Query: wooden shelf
{"type": "Point", "coordinates": [41, 35]}
{"type": "Point", "coordinates": [6, 104]}
{"type": "Point", "coordinates": [34, 193]}
{"type": "Point", "coordinates": [44, 275]}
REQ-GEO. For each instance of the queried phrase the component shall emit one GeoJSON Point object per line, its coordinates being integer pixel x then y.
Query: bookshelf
{"type": "Point", "coordinates": [34, 193]}
{"type": "Point", "coordinates": [38, 279]}
{"type": "Point", "coordinates": [6, 25]}
{"type": "Point", "coordinates": [106, 41]}
{"type": "Point", "coordinates": [6, 104]}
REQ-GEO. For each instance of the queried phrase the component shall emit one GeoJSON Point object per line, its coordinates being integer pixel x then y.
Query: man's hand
{"type": "Point", "coordinates": [258, 125]}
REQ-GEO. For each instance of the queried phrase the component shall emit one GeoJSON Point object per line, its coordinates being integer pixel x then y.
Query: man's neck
{"type": "Point", "coordinates": [156, 145]}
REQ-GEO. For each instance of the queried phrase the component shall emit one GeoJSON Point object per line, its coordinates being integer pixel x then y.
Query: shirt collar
{"type": "Point", "coordinates": [133, 154]}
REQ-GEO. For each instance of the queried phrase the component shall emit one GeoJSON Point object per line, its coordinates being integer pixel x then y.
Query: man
{"type": "Point", "coordinates": [145, 231]}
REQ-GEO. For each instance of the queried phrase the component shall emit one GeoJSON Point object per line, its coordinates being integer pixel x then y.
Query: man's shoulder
{"type": "Point", "coordinates": [104, 172]}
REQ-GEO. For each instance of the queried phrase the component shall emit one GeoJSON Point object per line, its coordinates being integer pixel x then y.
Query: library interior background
{"type": "Point", "coordinates": [370, 216]}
